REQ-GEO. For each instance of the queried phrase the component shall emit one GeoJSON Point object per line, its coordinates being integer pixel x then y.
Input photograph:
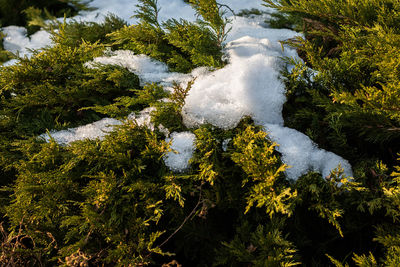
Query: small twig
{"type": "Point", "coordinates": [227, 7]}
{"type": "Point", "coordinates": [186, 219]}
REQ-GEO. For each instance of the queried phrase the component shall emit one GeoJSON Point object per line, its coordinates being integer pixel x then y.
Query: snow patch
{"type": "Point", "coordinates": [125, 9]}
{"type": "Point", "coordinates": [168, 9]}
{"type": "Point", "coordinates": [249, 86]}
{"type": "Point", "coordinates": [92, 131]}
{"type": "Point", "coordinates": [183, 146]}
{"type": "Point", "coordinates": [148, 69]}
{"type": "Point", "coordinates": [17, 41]}
{"type": "Point", "coordinates": [99, 129]}
{"type": "Point", "coordinates": [302, 154]}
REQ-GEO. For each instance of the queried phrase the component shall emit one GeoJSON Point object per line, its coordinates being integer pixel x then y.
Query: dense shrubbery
{"type": "Point", "coordinates": [346, 94]}
{"type": "Point", "coordinates": [115, 202]}
{"type": "Point", "coordinates": [353, 85]}
{"type": "Point", "coordinates": [74, 32]}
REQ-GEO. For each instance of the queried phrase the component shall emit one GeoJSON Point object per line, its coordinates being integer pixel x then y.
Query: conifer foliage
{"type": "Point", "coordinates": [346, 97]}
{"type": "Point", "coordinates": [113, 201]}
{"type": "Point", "coordinates": [352, 47]}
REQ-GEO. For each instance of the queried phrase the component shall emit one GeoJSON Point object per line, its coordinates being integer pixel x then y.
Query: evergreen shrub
{"type": "Point", "coordinates": [345, 95]}
{"type": "Point", "coordinates": [114, 202]}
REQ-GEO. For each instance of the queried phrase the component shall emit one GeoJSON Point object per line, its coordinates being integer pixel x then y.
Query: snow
{"type": "Point", "coordinates": [148, 69]}
{"type": "Point", "coordinates": [183, 146]}
{"type": "Point", "coordinates": [91, 131]}
{"type": "Point", "coordinates": [169, 9]}
{"type": "Point", "coordinates": [237, 5]}
{"type": "Point", "coordinates": [248, 85]}
{"type": "Point", "coordinates": [16, 40]}
{"type": "Point", "coordinates": [98, 129]}
{"type": "Point", "coordinates": [302, 154]}
{"type": "Point", "coordinates": [125, 9]}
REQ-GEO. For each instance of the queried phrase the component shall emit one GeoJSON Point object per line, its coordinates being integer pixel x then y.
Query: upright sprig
{"type": "Point", "coordinates": [148, 11]}
{"type": "Point", "coordinates": [181, 44]}
{"type": "Point", "coordinates": [214, 16]}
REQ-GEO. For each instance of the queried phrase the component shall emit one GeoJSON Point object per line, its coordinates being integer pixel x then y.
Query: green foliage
{"type": "Point", "coordinates": [138, 99]}
{"type": "Point", "coordinates": [345, 96]}
{"type": "Point", "coordinates": [48, 90]}
{"type": "Point", "coordinates": [76, 32]}
{"type": "Point", "coordinates": [78, 202]}
{"type": "Point", "coordinates": [91, 195]}
{"type": "Point", "coordinates": [213, 15]}
{"type": "Point", "coordinates": [350, 102]}
{"type": "Point", "coordinates": [355, 12]}
{"type": "Point", "coordinates": [52, 89]}
{"type": "Point", "coordinates": [263, 246]}
{"type": "Point", "coordinates": [148, 12]}
{"type": "Point", "coordinates": [168, 113]}
{"type": "Point", "coordinates": [207, 146]}
{"type": "Point", "coordinates": [181, 44]}
{"type": "Point", "coordinates": [112, 201]}
{"type": "Point", "coordinates": [249, 12]}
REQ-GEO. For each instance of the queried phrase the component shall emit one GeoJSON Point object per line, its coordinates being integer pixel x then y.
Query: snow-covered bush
{"type": "Point", "coordinates": [108, 158]}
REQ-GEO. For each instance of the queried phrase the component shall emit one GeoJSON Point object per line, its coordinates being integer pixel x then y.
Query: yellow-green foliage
{"type": "Point", "coordinates": [355, 87]}
{"type": "Point", "coordinates": [75, 32]}
{"type": "Point", "coordinates": [263, 246]}
{"type": "Point", "coordinates": [12, 11]}
{"type": "Point", "coordinates": [93, 195]}
{"type": "Point", "coordinates": [113, 201]}
{"type": "Point", "coordinates": [213, 15]}
{"type": "Point", "coordinates": [346, 96]}
{"type": "Point", "coordinates": [257, 158]}
{"type": "Point", "coordinates": [355, 12]}
{"type": "Point", "coordinates": [23, 12]}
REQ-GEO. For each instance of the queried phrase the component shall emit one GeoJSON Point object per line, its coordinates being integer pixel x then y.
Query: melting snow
{"type": "Point", "coordinates": [169, 9]}
{"type": "Point", "coordinates": [183, 147]}
{"type": "Point", "coordinates": [148, 69]}
{"type": "Point", "coordinates": [98, 129]}
{"type": "Point", "coordinates": [302, 154]}
{"type": "Point", "coordinates": [16, 40]}
{"type": "Point", "coordinates": [93, 130]}
{"type": "Point", "coordinates": [249, 85]}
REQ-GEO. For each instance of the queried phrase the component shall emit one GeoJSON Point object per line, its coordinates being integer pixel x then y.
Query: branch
{"type": "Point", "coordinates": [227, 7]}
{"type": "Point", "coordinates": [187, 217]}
